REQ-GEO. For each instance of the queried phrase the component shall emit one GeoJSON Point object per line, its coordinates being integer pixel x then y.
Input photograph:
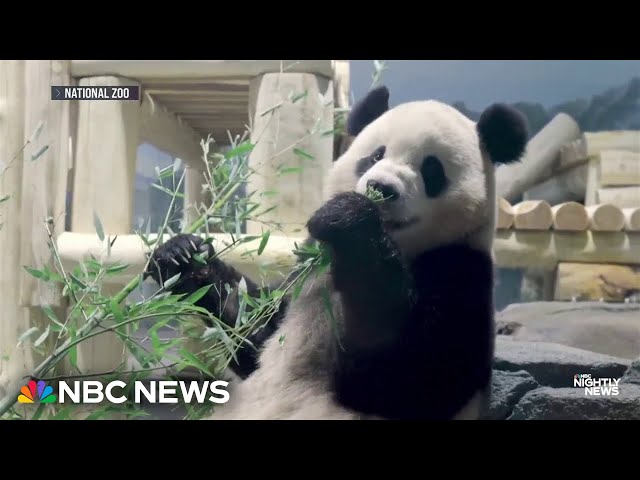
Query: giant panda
{"type": "Point", "coordinates": [410, 281]}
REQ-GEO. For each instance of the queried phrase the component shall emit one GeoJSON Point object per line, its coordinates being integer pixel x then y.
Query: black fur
{"type": "Point", "coordinates": [417, 338]}
{"type": "Point", "coordinates": [221, 303]}
{"type": "Point", "coordinates": [503, 133]}
{"type": "Point", "coordinates": [433, 176]}
{"type": "Point", "coordinates": [365, 111]}
{"type": "Point", "coordinates": [367, 162]}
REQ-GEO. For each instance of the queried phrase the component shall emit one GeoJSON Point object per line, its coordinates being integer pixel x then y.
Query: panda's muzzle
{"type": "Point", "coordinates": [389, 192]}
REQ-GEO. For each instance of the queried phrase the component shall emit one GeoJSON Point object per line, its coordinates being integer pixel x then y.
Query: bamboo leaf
{"type": "Point", "coordinates": [40, 274]}
{"type": "Point", "coordinates": [27, 334]}
{"type": "Point", "coordinates": [98, 225]}
{"type": "Point", "coordinates": [39, 153]}
{"type": "Point", "coordinates": [5, 198]}
{"type": "Point", "coordinates": [197, 295]}
{"type": "Point", "coordinates": [42, 337]}
{"type": "Point", "coordinates": [302, 153]}
{"type": "Point", "coordinates": [263, 242]}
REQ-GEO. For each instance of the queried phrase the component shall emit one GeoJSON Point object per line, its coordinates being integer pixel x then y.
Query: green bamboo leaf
{"type": "Point", "coordinates": [302, 153]}
{"type": "Point", "coordinates": [42, 337]}
{"type": "Point", "coordinates": [5, 198]}
{"type": "Point", "coordinates": [263, 242]}
{"type": "Point", "coordinates": [241, 149]}
{"type": "Point", "coordinates": [27, 334]}
{"type": "Point", "coordinates": [52, 316]}
{"type": "Point", "coordinates": [197, 295]}
{"type": "Point", "coordinates": [299, 96]}
{"type": "Point", "coordinates": [98, 225]}
{"type": "Point", "coordinates": [194, 361]}
{"type": "Point", "coordinates": [172, 281]}
{"type": "Point", "coordinates": [116, 310]}
{"type": "Point", "coordinates": [116, 268]}
{"type": "Point", "coordinates": [39, 153]}
{"type": "Point", "coordinates": [40, 274]}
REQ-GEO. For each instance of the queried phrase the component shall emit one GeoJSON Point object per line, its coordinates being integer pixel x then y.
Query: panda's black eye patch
{"type": "Point", "coordinates": [366, 163]}
{"type": "Point", "coordinates": [433, 176]}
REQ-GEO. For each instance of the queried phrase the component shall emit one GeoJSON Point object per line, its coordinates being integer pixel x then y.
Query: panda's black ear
{"type": "Point", "coordinates": [503, 133]}
{"type": "Point", "coordinates": [366, 110]}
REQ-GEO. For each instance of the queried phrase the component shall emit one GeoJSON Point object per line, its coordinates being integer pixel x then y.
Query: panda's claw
{"type": "Point", "coordinates": [173, 260]}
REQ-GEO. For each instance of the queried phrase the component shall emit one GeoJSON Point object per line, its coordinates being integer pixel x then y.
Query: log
{"type": "Point", "coordinates": [593, 181]}
{"type": "Point", "coordinates": [619, 168]}
{"type": "Point", "coordinates": [164, 130]}
{"type": "Point", "coordinates": [532, 215]}
{"type": "Point", "coordinates": [44, 177]}
{"type": "Point", "coordinates": [605, 218]}
{"type": "Point", "coordinates": [570, 216]}
{"type": "Point", "coordinates": [107, 144]}
{"type": "Point", "coordinates": [505, 214]}
{"type": "Point", "coordinates": [596, 142]}
{"type": "Point", "coordinates": [568, 186]}
{"type": "Point", "coordinates": [512, 249]}
{"type": "Point", "coordinates": [591, 281]}
{"type": "Point", "coordinates": [280, 135]}
{"type": "Point", "coordinates": [631, 219]}
{"type": "Point", "coordinates": [572, 154]}
{"type": "Point", "coordinates": [544, 249]}
{"type": "Point", "coordinates": [622, 197]}
{"type": "Point", "coordinates": [161, 69]}
{"type": "Point", "coordinates": [540, 158]}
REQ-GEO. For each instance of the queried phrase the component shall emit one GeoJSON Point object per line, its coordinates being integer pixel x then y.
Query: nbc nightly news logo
{"type": "Point", "coordinates": [93, 391]}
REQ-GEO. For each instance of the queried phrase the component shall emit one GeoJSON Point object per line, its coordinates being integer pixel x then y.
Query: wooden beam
{"type": "Point", "coordinates": [512, 249]}
{"type": "Point", "coordinates": [540, 159]}
{"type": "Point", "coordinates": [505, 214]}
{"type": "Point", "coordinates": [631, 219]}
{"type": "Point", "coordinates": [619, 168]}
{"type": "Point", "coordinates": [612, 140]}
{"type": "Point", "coordinates": [592, 281]}
{"type": "Point", "coordinates": [161, 128]}
{"type": "Point", "coordinates": [605, 218]}
{"type": "Point", "coordinates": [162, 69]}
{"type": "Point", "coordinates": [524, 249]}
{"type": "Point", "coordinates": [570, 216]}
{"type": "Point", "coordinates": [622, 197]}
{"type": "Point", "coordinates": [532, 215]}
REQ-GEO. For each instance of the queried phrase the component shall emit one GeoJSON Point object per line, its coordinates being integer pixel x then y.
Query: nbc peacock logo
{"type": "Point", "coordinates": [36, 392]}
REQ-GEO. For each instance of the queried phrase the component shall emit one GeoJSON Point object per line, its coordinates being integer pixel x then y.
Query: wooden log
{"type": "Point", "coordinates": [532, 215]}
{"type": "Point", "coordinates": [631, 219]}
{"type": "Point", "coordinates": [622, 197]}
{"type": "Point", "coordinates": [524, 249]}
{"type": "Point", "coordinates": [568, 186]}
{"type": "Point", "coordinates": [162, 69]}
{"type": "Point", "coordinates": [107, 139]}
{"type": "Point", "coordinates": [593, 181]}
{"type": "Point", "coordinates": [596, 142]}
{"type": "Point", "coordinates": [570, 216]}
{"type": "Point", "coordinates": [572, 154]}
{"type": "Point", "coordinates": [592, 281]}
{"type": "Point", "coordinates": [505, 214]}
{"type": "Point", "coordinates": [541, 156]}
{"type": "Point", "coordinates": [605, 218]}
{"type": "Point", "coordinates": [164, 130]}
{"type": "Point", "coordinates": [619, 168]}
{"type": "Point", "coordinates": [280, 135]}
{"type": "Point", "coordinates": [44, 179]}
{"type": "Point", "coordinates": [512, 249]}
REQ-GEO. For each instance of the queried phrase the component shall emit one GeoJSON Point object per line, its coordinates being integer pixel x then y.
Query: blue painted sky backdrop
{"type": "Point", "coordinates": [481, 82]}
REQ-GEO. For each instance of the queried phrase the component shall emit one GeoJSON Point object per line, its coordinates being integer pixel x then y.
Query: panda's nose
{"type": "Point", "coordinates": [388, 192]}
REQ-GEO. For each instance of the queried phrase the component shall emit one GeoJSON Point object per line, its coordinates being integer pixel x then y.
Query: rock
{"type": "Point", "coordinates": [555, 365]}
{"type": "Point", "coordinates": [608, 328]}
{"type": "Point", "coordinates": [506, 390]}
{"type": "Point", "coordinates": [632, 375]}
{"type": "Point", "coordinates": [572, 404]}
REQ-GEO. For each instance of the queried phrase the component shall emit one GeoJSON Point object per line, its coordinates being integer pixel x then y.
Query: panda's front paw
{"type": "Point", "coordinates": [178, 255]}
{"type": "Point", "coordinates": [348, 215]}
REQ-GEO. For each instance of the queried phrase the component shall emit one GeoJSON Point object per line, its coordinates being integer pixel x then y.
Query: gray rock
{"type": "Point", "coordinates": [608, 328]}
{"type": "Point", "coordinates": [506, 389]}
{"type": "Point", "coordinates": [632, 375]}
{"type": "Point", "coordinates": [555, 365]}
{"type": "Point", "coordinates": [572, 404]}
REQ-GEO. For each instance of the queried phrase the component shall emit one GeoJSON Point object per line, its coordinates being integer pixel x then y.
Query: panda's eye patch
{"type": "Point", "coordinates": [366, 163]}
{"type": "Point", "coordinates": [433, 176]}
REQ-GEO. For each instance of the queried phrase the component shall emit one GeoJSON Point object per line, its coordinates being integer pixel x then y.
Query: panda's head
{"type": "Point", "coordinates": [433, 165]}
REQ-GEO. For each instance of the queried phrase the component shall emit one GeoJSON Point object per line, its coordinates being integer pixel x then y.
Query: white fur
{"type": "Point", "coordinates": [293, 379]}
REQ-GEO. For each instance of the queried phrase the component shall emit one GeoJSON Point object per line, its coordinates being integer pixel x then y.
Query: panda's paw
{"type": "Point", "coordinates": [181, 253]}
{"type": "Point", "coordinates": [346, 216]}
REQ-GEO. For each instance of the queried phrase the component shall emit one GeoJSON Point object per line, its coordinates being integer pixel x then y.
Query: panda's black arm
{"type": "Point", "coordinates": [367, 269]}
{"type": "Point", "coordinates": [176, 256]}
